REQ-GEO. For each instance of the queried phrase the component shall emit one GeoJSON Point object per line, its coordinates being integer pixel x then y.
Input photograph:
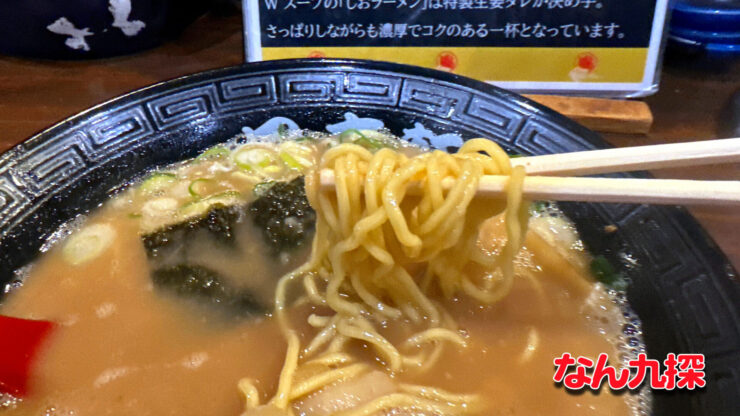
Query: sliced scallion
{"type": "Point", "coordinates": [258, 160]}
{"type": "Point", "coordinates": [368, 143]}
{"type": "Point", "coordinates": [357, 137]}
{"type": "Point", "coordinates": [199, 187]}
{"type": "Point", "coordinates": [348, 135]}
{"type": "Point", "coordinates": [296, 156]}
{"type": "Point", "coordinates": [159, 207]}
{"type": "Point", "coordinates": [88, 243]}
{"type": "Point", "coordinates": [290, 161]}
{"type": "Point", "coordinates": [605, 273]}
{"type": "Point", "coordinates": [537, 207]}
{"type": "Point", "coordinates": [262, 188]}
{"type": "Point", "coordinates": [158, 182]}
{"type": "Point", "coordinates": [200, 207]}
{"type": "Point", "coordinates": [282, 129]}
{"type": "Point", "coordinates": [215, 152]}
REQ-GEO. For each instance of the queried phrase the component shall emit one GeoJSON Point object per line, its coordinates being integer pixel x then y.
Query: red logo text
{"type": "Point", "coordinates": [682, 371]}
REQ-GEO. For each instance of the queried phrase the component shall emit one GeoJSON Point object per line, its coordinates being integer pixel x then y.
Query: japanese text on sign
{"type": "Point", "coordinates": [527, 45]}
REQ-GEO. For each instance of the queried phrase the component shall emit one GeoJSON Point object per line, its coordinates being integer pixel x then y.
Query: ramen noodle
{"type": "Point", "coordinates": [235, 283]}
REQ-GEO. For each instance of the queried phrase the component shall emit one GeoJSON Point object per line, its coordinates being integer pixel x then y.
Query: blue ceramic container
{"type": "Point", "coordinates": [85, 29]}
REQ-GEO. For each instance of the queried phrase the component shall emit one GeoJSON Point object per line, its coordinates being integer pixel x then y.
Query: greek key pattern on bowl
{"type": "Point", "coordinates": [13, 199]}
{"type": "Point", "coordinates": [112, 131]}
{"type": "Point", "coordinates": [72, 151]}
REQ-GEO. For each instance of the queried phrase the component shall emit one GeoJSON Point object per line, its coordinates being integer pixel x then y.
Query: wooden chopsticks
{"type": "Point", "coordinates": [621, 190]}
{"type": "Point", "coordinates": [628, 190]}
{"type": "Point", "coordinates": [628, 159]}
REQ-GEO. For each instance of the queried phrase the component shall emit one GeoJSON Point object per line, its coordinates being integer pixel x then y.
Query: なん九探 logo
{"type": "Point", "coordinates": [678, 371]}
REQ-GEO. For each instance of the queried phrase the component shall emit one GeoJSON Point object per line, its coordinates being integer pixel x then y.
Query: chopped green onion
{"type": "Point", "coordinates": [224, 196]}
{"type": "Point", "coordinates": [290, 161]}
{"type": "Point", "coordinates": [88, 243]}
{"type": "Point", "coordinates": [200, 207]}
{"type": "Point", "coordinates": [199, 187]}
{"type": "Point", "coordinates": [364, 141]}
{"type": "Point", "coordinates": [296, 156]}
{"type": "Point", "coordinates": [347, 134]}
{"type": "Point", "coordinates": [259, 160]}
{"type": "Point", "coordinates": [368, 143]}
{"type": "Point", "coordinates": [282, 129]}
{"type": "Point", "coordinates": [245, 177]}
{"type": "Point", "coordinates": [158, 182]}
{"type": "Point", "coordinates": [304, 139]}
{"type": "Point", "coordinates": [214, 152]}
{"type": "Point", "coordinates": [262, 187]}
{"type": "Point", "coordinates": [605, 273]}
{"type": "Point", "coordinates": [537, 206]}
{"type": "Point", "coordinates": [159, 208]}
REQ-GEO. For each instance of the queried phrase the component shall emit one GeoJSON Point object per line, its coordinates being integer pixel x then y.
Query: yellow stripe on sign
{"type": "Point", "coordinates": [499, 64]}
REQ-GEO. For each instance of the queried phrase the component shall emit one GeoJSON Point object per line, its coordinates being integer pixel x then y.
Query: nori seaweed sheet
{"type": "Point", "coordinates": [200, 283]}
{"type": "Point", "coordinates": [283, 215]}
{"type": "Point", "coordinates": [219, 223]}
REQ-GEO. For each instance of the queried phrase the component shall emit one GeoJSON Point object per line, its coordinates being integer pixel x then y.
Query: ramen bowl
{"type": "Point", "coordinates": [680, 285]}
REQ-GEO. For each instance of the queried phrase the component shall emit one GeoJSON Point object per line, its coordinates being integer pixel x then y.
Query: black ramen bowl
{"type": "Point", "coordinates": [682, 286]}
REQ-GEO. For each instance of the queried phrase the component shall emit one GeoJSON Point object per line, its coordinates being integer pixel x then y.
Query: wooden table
{"type": "Point", "coordinates": [36, 94]}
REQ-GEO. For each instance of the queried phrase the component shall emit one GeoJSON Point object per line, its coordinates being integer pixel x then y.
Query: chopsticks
{"type": "Point", "coordinates": [627, 159]}
{"type": "Point", "coordinates": [620, 190]}
{"type": "Point", "coordinates": [629, 190]}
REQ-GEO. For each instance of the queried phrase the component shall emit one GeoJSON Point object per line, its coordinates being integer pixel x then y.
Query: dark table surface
{"type": "Point", "coordinates": [35, 94]}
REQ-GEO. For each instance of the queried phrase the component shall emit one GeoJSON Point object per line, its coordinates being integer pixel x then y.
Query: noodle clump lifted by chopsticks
{"type": "Point", "coordinates": [382, 253]}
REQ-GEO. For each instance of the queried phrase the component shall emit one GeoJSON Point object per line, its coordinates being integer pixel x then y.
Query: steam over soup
{"type": "Point", "coordinates": [234, 283]}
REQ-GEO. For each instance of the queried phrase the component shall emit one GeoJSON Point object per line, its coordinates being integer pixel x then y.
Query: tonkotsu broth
{"type": "Point", "coordinates": [125, 347]}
